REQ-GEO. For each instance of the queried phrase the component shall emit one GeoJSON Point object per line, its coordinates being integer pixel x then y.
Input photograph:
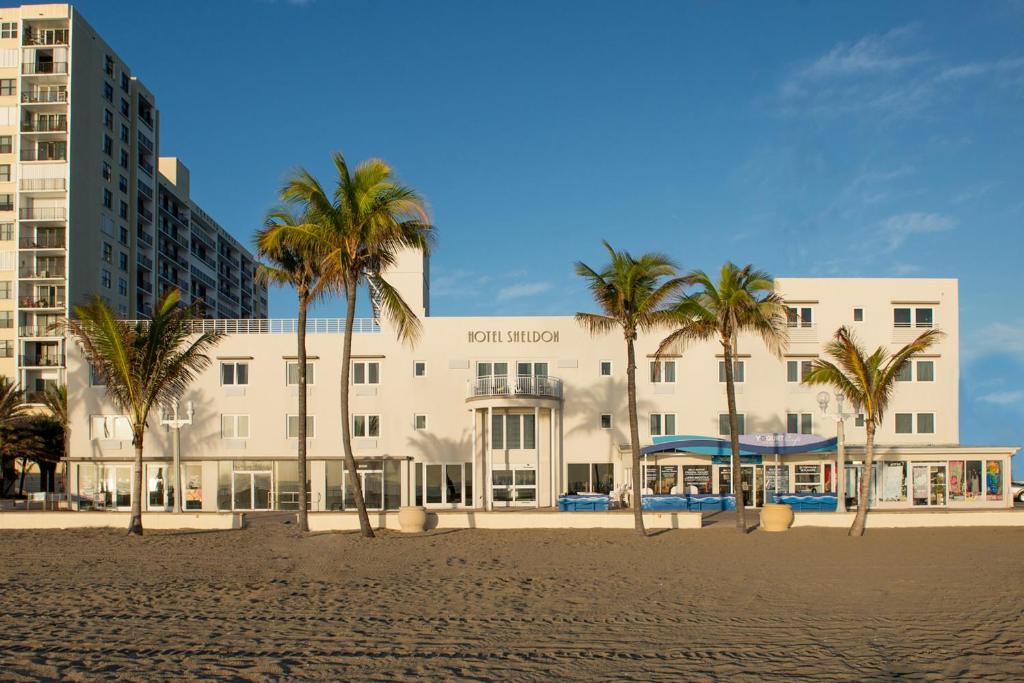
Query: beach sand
{"type": "Point", "coordinates": [264, 603]}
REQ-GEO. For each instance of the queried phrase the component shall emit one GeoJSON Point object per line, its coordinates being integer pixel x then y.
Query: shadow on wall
{"type": "Point", "coordinates": [584, 407]}
{"type": "Point", "coordinates": [433, 449]}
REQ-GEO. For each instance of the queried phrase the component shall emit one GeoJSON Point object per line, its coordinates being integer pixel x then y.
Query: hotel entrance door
{"type": "Point", "coordinates": [252, 490]}
{"type": "Point", "coordinates": [372, 482]}
{"type": "Point", "coordinates": [751, 483]}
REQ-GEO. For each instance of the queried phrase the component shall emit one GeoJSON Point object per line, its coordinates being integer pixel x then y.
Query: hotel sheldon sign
{"type": "Point", "coordinates": [513, 336]}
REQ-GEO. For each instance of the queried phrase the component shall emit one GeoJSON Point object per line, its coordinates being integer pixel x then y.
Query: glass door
{"type": "Point", "coordinates": [530, 377]}
{"type": "Point", "coordinates": [492, 378]}
{"type": "Point", "coordinates": [929, 485]}
{"type": "Point", "coordinates": [752, 493]}
{"type": "Point", "coordinates": [116, 492]}
{"type": "Point", "coordinates": [159, 488]}
{"type": "Point", "coordinates": [372, 483]}
{"type": "Point", "coordinates": [252, 490]}
{"type": "Point", "coordinates": [514, 485]}
{"type": "Point", "coordinates": [443, 485]}
{"type": "Point", "coordinates": [241, 485]}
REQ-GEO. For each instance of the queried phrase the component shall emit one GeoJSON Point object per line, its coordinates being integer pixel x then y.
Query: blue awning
{"type": "Point", "coordinates": [750, 444]}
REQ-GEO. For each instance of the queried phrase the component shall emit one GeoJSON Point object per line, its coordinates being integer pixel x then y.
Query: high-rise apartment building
{"type": "Point", "coordinates": [87, 206]}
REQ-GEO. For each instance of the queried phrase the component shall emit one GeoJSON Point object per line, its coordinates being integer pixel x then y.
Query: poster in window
{"type": "Point", "coordinates": [669, 478]}
{"type": "Point", "coordinates": [972, 479]}
{"type": "Point", "coordinates": [956, 479]}
{"type": "Point", "coordinates": [993, 480]}
{"type": "Point", "coordinates": [697, 478]}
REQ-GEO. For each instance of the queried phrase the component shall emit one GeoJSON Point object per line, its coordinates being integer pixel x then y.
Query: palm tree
{"type": "Point", "coordinates": [55, 398]}
{"type": "Point", "coordinates": [292, 267]}
{"type": "Point", "coordinates": [869, 382]}
{"type": "Point", "coordinates": [631, 293]}
{"type": "Point", "coordinates": [360, 228]}
{"type": "Point", "coordinates": [142, 364]}
{"type": "Point", "coordinates": [12, 408]}
{"type": "Point", "coordinates": [741, 300]}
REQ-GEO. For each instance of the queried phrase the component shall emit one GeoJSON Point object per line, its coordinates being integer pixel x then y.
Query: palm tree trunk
{"type": "Point", "coordinates": [21, 483]}
{"type": "Point", "coordinates": [734, 439]}
{"type": "Point", "coordinates": [861, 518]}
{"type": "Point", "coordinates": [135, 522]}
{"type": "Point", "coordinates": [303, 517]}
{"type": "Point", "coordinates": [346, 419]}
{"type": "Point", "coordinates": [634, 438]}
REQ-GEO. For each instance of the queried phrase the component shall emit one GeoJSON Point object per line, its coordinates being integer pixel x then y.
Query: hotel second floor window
{"type": "Point", "coordinates": [6, 348]}
{"type": "Point", "coordinates": [663, 371]}
{"type": "Point", "coordinates": [366, 426]}
{"type": "Point", "coordinates": [925, 371]}
{"type": "Point", "coordinates": [234, 374]}
{"type": "Point", "coordinates": [6, 144]}
{"type": "Point", "coordinates": [905, 423]}
{"type": "Point", "coordinates": [663, 424]}
{"type": "Point", "coordinates": [292, 372]}
{"type": "Point", "coordinates": [110, 427]}
{"type": "Point", "coordinates": [419, 369]}
{"type": "Point", "coordinates": [364, 372]}
{"type": "Point", "coordinates": [419, 422]}
{"type": "Point", "coordinates": [513, 431]}
{"type": "Point", "coordinates": [293, 426]}
{"type": "Point", "coordinates": [606, 368]}
{"type": "Point", "coordinates": [801, 316]}
{"type": "Point", "coordinates": [234, 426]}
{"type": "Point", "coordinates": [858, 420]}
{"type": "Point", "coordinates": [9, 29]}
{"type": "Point", "coordinates": [858, 315]}
{"type": "Point", "coordinates": [913, 317]}
{"type": "Point", "coordinates": [6, 231]}
{"type": "Point", "coordinates": [606, 421]}
{"type": "Point", "coordinates": [7, 86]}
{"type": "Point", "coordinates": [797, 370]}
{"type": "Point", "coordinates": [5, 289]}
{"type": "Point", "coordinates": [723, 424]}
{"type": "Point", "coordinates": [738, 373]}
{"type": "Point", "coordinates": [800, 423]}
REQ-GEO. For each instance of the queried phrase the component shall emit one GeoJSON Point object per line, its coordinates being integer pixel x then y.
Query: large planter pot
{"type": "Point", "coordinates": [412, 520]}
{"type": "Point", "coordinates": [776, 516]}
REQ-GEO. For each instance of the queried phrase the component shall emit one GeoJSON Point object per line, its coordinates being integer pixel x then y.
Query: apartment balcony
{"type": "Point", "coordinates": [41, 273]}
{"type": "Point", "coordinates": [146, 167]}
{"type": "Point", "coordinates": [146, 287]}
{"type": "Point", "coordinates": [199, 236]}
{"type": "Point", "coordinates": [44, 68]}
{"type": "Point", "coordinates": [42, 361]}
{"type": "Point", "coordinates": [145, 237]}
{"type": "Point", "coordinates": [229, 296]}
{"type": "Point", "coordinates": [45, 37]}
{"type": "Point", "coordinates": [174, 236]}
{"type": "Point", "coordinates": [43, 184]}
{"type": "Point", "coordinates": [44, 97]}
{"type": "Point", "coordinates": [42, 303]}
{"type": "Point", "coordinates": [43, 213]}
{"type": "Point", "coordinates": [42, 241]}
{"type": "Point", "coordinates": [146, 143]}
{"type": "Point", "coordinates": [44, 126]}
{"type": "Point", "coordinates": [145, 191]}
{"type": "Point", "coordinates": [145, 214]}
{"type": "Point", "coordinates": [7, 206]}
{"type": "Point", "coordinates": [31, 154]}
{"type": "Point", "coordinates": [176, 281]}
{"type": "Point", "coordinates": [523, 386]}
{"type": "Point", "coordinates": [144, 261]}
{"type": "Point", "coordinates": [804, 334]}
{"type": "Point", "coordinates": [44, 331]}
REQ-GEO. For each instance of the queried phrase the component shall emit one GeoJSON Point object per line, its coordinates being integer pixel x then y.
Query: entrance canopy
{"type": "Point", "coordinates": [750, 444]}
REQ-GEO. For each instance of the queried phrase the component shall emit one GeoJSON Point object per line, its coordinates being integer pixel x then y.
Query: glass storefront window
{"type": "Point", "coordinates": [956, 480]}
{"type": "Point", "coordinates": [892, 484]}
{"type": "Point", "coordinates": [381, 483]}
{"type": "Point", "coordinates": [697, 478]}
{"type": "Point", "coordinates": [392, 484]}
{"type": "Point", "coordinates": [993, 480]}
{"type": "Point", "coordinates": [973, 480]}
{"type": "Point", "coordinates": [776, 478]}
{"type": "Point", "coordinates": [224, 485]}
{"type": "Point", "coordinates": [590, 478]}
{"type": "Point", "coordinates": [286, 479]}
{"type": "Point", "coordinates": [808, 479]}
{"type": "Point", "coordinates": [333, 496]}
{"type": "Point", "coordinates": [87, 486]}
{"type": "Point", "coordinates": [192, 483]}
{"type": "Point", "coordinates": [661, 478]}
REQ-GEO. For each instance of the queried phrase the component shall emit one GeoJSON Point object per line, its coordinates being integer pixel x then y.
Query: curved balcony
{"type": "Point", "coordinates": [523, 386]}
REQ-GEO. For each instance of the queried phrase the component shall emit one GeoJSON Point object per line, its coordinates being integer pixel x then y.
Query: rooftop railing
{"type": "Point", "coordinates": [285, 326]}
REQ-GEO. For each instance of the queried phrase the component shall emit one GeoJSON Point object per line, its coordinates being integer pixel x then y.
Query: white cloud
{"type": "Point", "coordinates": [522, 290]}
{"type": "Point", "coordinates": [871, 54]}
{"type": "Point", "coordinates": [976, 69]}
{"type": "Point", "coordinates": [896, 229]}
{"type": "Point", "coordinates": [1003, 398]}
{"type": "Point", "coordinates": [998, 338]}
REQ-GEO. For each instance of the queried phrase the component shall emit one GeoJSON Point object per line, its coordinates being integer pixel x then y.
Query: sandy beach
{"type": "Point", "coordinates": [265, 604]}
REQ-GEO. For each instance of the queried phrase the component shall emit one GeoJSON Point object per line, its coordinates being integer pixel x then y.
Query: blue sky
{"type": "Point", "coordinates": [857, 138]}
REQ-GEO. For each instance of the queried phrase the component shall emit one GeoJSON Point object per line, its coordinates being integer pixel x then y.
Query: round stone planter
{"type": "Point", "coordinates": [776, 516]}
{"type": "Point", "coordinates": [412, 520]}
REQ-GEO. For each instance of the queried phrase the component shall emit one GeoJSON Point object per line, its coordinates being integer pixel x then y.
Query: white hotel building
{"type": "Point", "coordinates": [491, 412]}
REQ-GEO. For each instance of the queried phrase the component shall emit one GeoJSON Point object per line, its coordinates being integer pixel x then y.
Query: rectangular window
{"type": "Point", "coordinates": [904, 423]}
{"type": "Point", "coordinates": [923, 317]}
{"type": "Point", "coordinates": [107, 253]}
{"type": "Point", "coordinates": [234, 374]}
{"type": "Point", "coordinates": [606, 421]}
{"type": "Point", "coordinates": [419, 421]}
{"type": "Point", "coordinates": [122, 260]}
{"type": "Point", "coordinates": [925, 371]}
{"type": "Point", "coordinates": [606, 368]}
{"type": "Point", "coordinates": [926, 423]}
{"type": "Point", "coordinates": [5, 173]}
{"type": "Point", "coordinates": [905, 373]}
{"type": "Point", "coordinates": [7, 86]}
{"type": "Point", "coordinates": [122, 184]}
{"type": "Point", "coordinates": [858, 315]}
{"type": "Point", "coordinates": [9, 29]}
{"type": "Point", "coordinates": [105, 278]}
{"type": "Point", "coordinates": [293, 426]}
{"type": "Point", "coordinates": [108, 119]}
{"type": "Point", "coordinates": [663, 371]}
{"type": "Point", "coordinates": [5, 289]}
{"type": "Point", "coordinates": [110, 427]}
{"type": "Point", "coordinates": [419, 369]}
{"type": "Point", "coordinates": [365, 372]}
{"type": "Point", "coordinates": [108, 198]}
{"type": "Point", "coordinates": [122, 210]}
{"type": "Point", "coordinates": [122, 286]}
{"type": "Point", "coordinates": [797, 370]}
{"type": "Point", "coordinates": [6, 231]}
{"type": "Point", "coordinates": [292, 372]}
{"type": "Point", "coordinates": [126, 109]}
{"type": "Point", "coordinates": [123, 161]}
{"type": "Point", "coordinates": [799, 316]}
{"type": "Point", "coordinates": [497, 431]}
{"type": "Point", "coordinates": [234, 426]}
{"type": "Point", "coordinates": [723, 424]}
{"type": "Point", "coordinates": [858, 421]}
{"type": "Point", "coordinates": [6, 144]}
{"type": "Point", "coordinates": [800, 423]}
{"type": "Point", "coordinates": [6, 202]}
{"type": "Point", "coordinates": [366, 426]}
{"type": "Point", "coordinates": [590, 478]}
{"type": "Point", "coordinates": [737, 371]}
{"type": "Point", "coordinates": [6, 348]}
{"type": "Point", "coordinates": [108, 92]}
{"type": "Point", "coordinates": [6, 320]}
{"type": "Point", "coordinates": [108, 145]}
{"type": "Point", "coordinates": [125, 132]}
{"type": "Point", "coordinates": [663, 424]}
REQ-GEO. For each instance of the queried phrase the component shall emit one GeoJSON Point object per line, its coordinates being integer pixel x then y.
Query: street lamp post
{"type": "Point", "coordinates": [839, 416]}
{"type": "Point", "coordinates": [176, 423]}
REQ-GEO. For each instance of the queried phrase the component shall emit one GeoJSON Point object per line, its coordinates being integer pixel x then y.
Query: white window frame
{"type": "Point", "coordinates": [611, 422]}
{"type": "Point", "coordinates": [521, 420]}
{"type": "Point", "coordinates": [234, 373]}
{"type": "Point", "coordinates": [913, 317]}
{"type": "Point", "coordinates": [233, 420]}
{"type": "Point", "coordinates": [800, 422]}
{"type": "Point", "coordinates": [862, 314]}
{"type": "Point", "coordinates": [917, 370]}
{"type": "Point", "coordinates": [310, 426]}
{"type": "Point", "coordinates": [658, 371]}
{"type": "Point", "coordinates": [917, 422]}
{"type": "Point", "coordinates": [310, 373]}
{"type": "Point", "coordinates": [366, 372]}
{"type": "Point", "coordinates": [600, 368]}
{"type": "Point", "coordinates": [662, 419]}
{"type": "Point", "coordinates": [416, 364]}
{"type": "Point", "coordinates": [416, 420]}
{"type": "Point", "coordinates": [366, 427]}
{"type": "Point", "coordinates": [736, 365]}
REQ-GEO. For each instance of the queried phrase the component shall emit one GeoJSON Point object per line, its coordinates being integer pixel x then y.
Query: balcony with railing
{"type": "Point", "coordinates": [42, 360]}
{"type": "Point", "coordinates": [44, 96]}
{"type": "Point", "coordinates": [45, 37]}
{"type": "Point", "coordinates": [45, 153]}
{"type": "Point", "coordinates": [144, 261]}
{"type": "Point", "coordinates": [145, 143]}
{"type": "Point", "coordinates": [42, 213]}
{"type": "Point", "coordinates": [44, 68]}
{"type": "Point", "coordinates": [41, 331]}
{"type": "Point", "coordinates": [521, 386]}
{"type": "Point", "coordinates": [45, 302]}
{"type": "Point", "coordinates": [145, 191]}
{"type": "Point", "coordinates": [44, 124]}
{"type": "Point", "coordinates": [145, 214]}
{"type": "Point", "coordinates": [145, 237]}
{"type": "Point", "coordinates": [146, 167]}
{"type": "Point", "coordinates": [43, 184]}
{"type": "Point", "coordinates": [43, 240]}
{"type": "Point", "coordinates": [42, 271]}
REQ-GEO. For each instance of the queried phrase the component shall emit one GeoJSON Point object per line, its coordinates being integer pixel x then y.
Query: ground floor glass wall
{"type": "Point", "coordinates": [381, 482]}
